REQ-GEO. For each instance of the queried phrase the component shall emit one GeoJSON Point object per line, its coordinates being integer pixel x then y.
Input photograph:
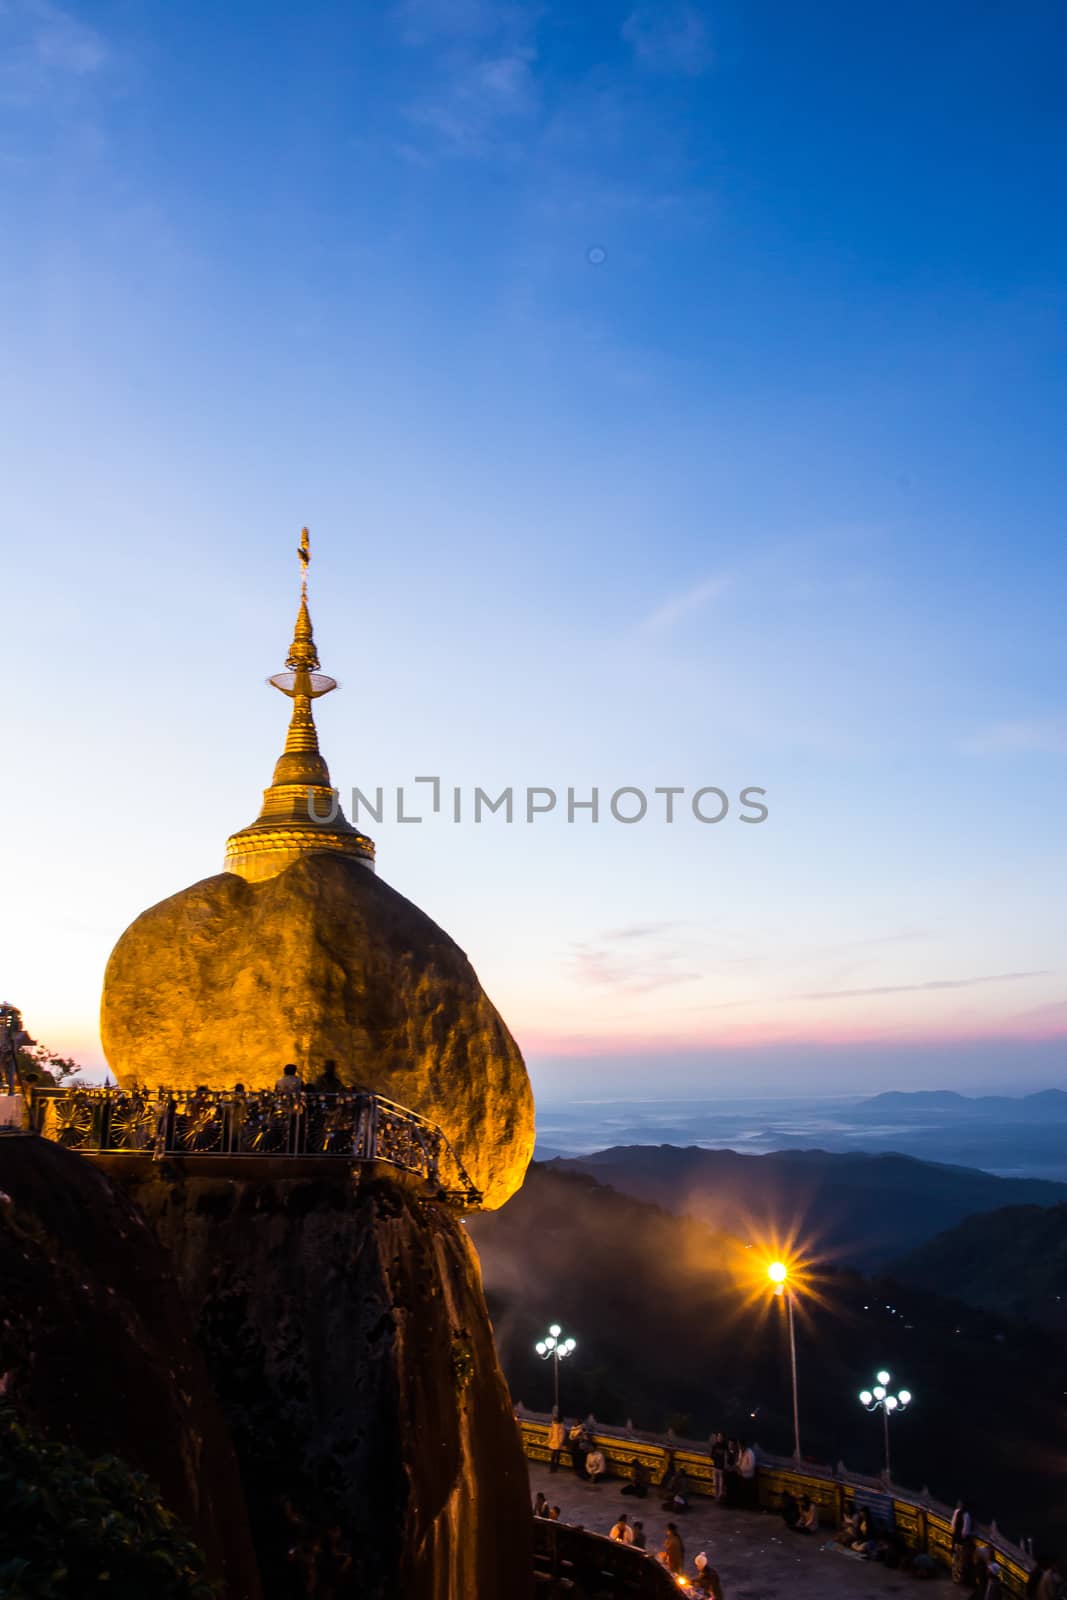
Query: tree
{"type": "Point", "coordinates": [71, 1527]}
{"type": "Point", "coordinates": [41, 1065]}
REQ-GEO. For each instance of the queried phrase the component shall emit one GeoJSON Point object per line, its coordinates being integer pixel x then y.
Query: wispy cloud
{"type": "Point", "coordinates": [669, 39]}
{"type": "Point", "coordinates": [40, 42]}
{"type": "Point", "coordinates": [682, 605]}
{"type": "Point", "coordinates": [917, 988]}
{"type": "Point", "coordinates": [632, 959]}
{"type": "Point", "coordinates": [1036, 735]}
{"type": "Point", "coordinates": [62, 41]}
{"type": "Point", "coordinates": [481, 85]}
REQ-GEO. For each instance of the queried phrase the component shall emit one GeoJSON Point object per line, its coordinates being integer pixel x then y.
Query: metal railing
{"type": "Point", "coordinates": [569, 1560]}
{"type": "Point", "coordinates": [163, 1123]}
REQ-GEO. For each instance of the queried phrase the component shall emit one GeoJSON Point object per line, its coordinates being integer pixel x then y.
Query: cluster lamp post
{"type": "Point", "coordinates": [880, 1399]}
{"type": "Point", "coordinates": [555, 1348]}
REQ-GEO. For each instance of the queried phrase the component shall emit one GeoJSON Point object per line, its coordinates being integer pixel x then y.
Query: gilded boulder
{"type": "Point", "coordinates": [228, 980]}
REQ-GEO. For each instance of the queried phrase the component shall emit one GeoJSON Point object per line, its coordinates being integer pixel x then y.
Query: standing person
{"type": "Point", "coordinates": [621, 1531]}
{"type": "Point", "coordinates": [718, 1463]}
{"type": "Point", "coordinates": [746, 1471]}
{"type": "Point", "coordinates": [640, 1542]}
{"type": "Point", "coordinates": [540, 1505]}
{"type": "Point", "coordinates": [962, 1530]}
{"type": "Point", "coordinates": [595, 1466]}
{"type": "Point", "coordinates": [557, 1438]}
{"type": "Point", "coordinates": [729, 1483]}
{"type": "Point", "coordinates": [327, 1081]}
{"type": "Point", "coordinates": [673, 1551]}
{"type": "Point", "coordinates": [578, 1445]}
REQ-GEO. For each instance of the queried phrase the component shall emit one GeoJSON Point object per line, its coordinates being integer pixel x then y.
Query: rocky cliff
{"type": "Point", "coordinates": [97, 1348]}
{"type": "Point", "coordinates": [347, 1335]}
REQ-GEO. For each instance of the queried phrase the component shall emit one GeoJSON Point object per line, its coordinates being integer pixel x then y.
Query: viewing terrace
{"type": "Point", "coordinates": [201, 1125]}
{"type": "Point", "coordinates": [755, 1555]}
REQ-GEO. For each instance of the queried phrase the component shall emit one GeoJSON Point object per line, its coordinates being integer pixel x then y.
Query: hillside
{"type": "Point", "coordinates": [1012, 1261]}
{"type": "Point", "coordinates": [863, 1210]}
{"type": "Point", "coordinates": [667, 1332]}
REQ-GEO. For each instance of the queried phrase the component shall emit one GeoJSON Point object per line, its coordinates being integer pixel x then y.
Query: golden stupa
{"type": "Point", "coordinates": [299, 952]}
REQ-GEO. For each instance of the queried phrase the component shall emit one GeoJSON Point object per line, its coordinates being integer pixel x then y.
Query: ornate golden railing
{"type": "Point", "coordinates": [163, 1123]}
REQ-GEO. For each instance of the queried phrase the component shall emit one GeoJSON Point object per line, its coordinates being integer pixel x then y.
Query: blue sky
{"type": "Point", "coordinates": [675, 395]}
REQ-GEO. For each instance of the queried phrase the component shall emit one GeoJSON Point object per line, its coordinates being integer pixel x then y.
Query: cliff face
{"type": "Point", "coordinates": [228, 980]}
{"type": "Point", "coordinates": [347, 1335]}
{"type": "Point", "coordinates": [97, 1348]}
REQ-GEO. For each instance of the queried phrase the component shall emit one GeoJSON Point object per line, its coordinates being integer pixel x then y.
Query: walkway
{"type": "Point", "coordinates": [754, 1555]}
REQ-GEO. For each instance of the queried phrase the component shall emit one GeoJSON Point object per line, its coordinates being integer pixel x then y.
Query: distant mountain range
{"type": "Point", "coordinates": [856, 1209]}
{"type": "Point", "coordinates": [921, 1104]}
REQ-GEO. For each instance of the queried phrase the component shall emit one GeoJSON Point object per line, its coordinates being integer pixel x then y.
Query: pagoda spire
{"type": "Point", "coordinates": [300, 811]}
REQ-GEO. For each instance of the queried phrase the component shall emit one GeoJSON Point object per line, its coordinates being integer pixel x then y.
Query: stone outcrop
{"type": "Point", "coordinates": [228, 980]}
{"type": "Point", "coordinates": [97, 1349]}
{"type": "Point", "coordinates": [347, 1335]}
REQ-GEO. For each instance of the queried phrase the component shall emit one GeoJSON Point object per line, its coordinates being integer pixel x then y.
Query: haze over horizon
{"type": "Point", "coordinates": [674, 395]}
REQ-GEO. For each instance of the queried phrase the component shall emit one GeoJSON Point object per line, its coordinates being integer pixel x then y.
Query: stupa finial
{"type": "Point", "coordinates": [301, 792]}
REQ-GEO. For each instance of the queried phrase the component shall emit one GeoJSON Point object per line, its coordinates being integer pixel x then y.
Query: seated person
{"type": "Point", "coordinates": [621, 1532]}
{"type": "Point", "coordinates": [706, 1580]}
{"type": "Point", "coordinates": [595, 1465]}
{"type": "Point", "coordinates": [864, 1540]}
{"type": "Point", "coordinates": [677, 1488]}
{"type": "Point", "coordinates": [808, 1520]}
{"type": "Point", "coordinates": [639, 1475]}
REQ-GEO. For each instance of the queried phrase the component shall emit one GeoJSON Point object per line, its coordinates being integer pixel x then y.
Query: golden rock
{"type": "Point", "coordinates": [299, 953]}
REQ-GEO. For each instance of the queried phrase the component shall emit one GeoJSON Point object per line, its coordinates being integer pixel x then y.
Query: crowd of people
{"type": "Point", "coordinates": [734, 1483]}
{"type": "Point", "coordinates": [733, 1466]}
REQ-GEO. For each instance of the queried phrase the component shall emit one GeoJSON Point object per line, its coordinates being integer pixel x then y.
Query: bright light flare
{"type": "Point", "coordinates": [883, 1377]}
{"type": "Point", "coordinates": [777, 1271]}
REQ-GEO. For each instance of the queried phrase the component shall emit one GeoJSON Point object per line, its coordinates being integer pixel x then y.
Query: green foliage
{"type": "Point", "coordinates": [72, 1528]}
{"type": "Point", "coordinates": [41, 1065]}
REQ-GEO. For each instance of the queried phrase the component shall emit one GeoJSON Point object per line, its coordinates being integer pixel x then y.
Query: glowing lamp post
{"type": "Point", "coordinates": [555, 1348]}
{"type": "Point", "coordinates": [778, 1273]}
{"type": "Point", "coordinates": [880, 1399]}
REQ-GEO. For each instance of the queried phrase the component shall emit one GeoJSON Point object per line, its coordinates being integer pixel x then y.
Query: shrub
{"type": "Point", "coordinates": [72, 1528]}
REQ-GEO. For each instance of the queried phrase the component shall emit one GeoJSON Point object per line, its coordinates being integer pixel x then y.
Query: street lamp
{"type": "Point", "coordinates": [880, 1399]}
{"type": "Point", "coordinates": [778, 1273]}
{"type": "Point", "coordinates": [555, 1348]}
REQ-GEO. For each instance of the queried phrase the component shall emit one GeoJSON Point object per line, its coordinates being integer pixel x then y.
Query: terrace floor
{"type": "Point", "coordinates": [754, 1555]}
